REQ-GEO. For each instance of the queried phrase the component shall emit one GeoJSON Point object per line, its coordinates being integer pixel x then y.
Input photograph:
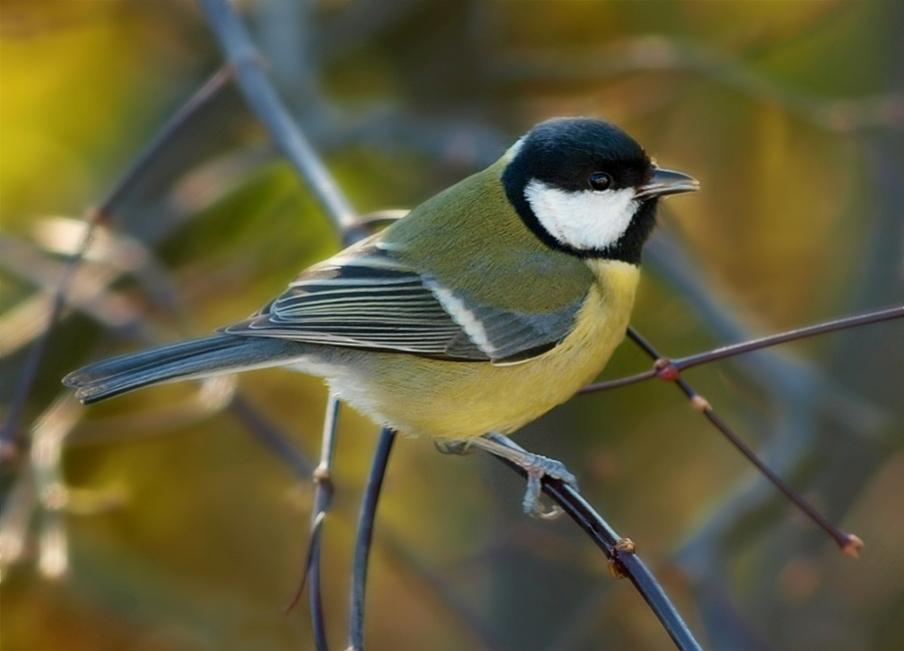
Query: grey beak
{"type": "Point", "coordinates": [665, 182]}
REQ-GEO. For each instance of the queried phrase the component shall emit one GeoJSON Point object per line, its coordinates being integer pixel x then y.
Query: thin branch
{"type": "Point", "coordinates": [309, 561]}
{"type": "Point", "coordinates": [782, 376]}
{"type": "Point", "coordinates": [618, 382]}
{"type": "Point", "coordinates": [791, 335]}
{"type": "Point", "coordinates": [274, 440]}
{"type": "Point", "coordinates": [365, 536]}
{"type": "Point", "coordinates": [323, 497]}
{"type": "Point", "coordinates": [263, 100]}
{"type": "Point", "coordinates": [847, 542]}
{"type": "Point", "coordinates": [620, 552]}
{"type": "Point", "coordinates": [666, 369]}
{"type": "Point", "coordinates": [10, 436]}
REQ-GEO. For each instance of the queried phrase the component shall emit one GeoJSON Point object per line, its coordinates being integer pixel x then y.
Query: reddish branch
{"type": "Point", "coordinates": [669, 369]}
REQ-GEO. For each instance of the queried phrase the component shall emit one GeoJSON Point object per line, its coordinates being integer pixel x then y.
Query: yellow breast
{"type": "Point", "coordinates": [455, 400]}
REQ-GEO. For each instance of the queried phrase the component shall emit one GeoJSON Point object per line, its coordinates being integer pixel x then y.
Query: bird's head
{"type": "Point", "coordinates": [586, 187]}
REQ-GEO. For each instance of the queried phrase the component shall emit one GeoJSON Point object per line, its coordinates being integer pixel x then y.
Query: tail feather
{"type": "Point", "coordinates": [214, 355]}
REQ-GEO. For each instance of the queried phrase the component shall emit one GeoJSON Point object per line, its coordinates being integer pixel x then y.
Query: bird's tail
{"type": "Point", "coordinates": [214, 355]}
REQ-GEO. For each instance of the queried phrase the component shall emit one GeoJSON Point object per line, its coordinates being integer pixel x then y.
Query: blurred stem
{"type": "Point", "coordinates": [658, 54]}
{"type": "Point", "coordinates": [10, 435]}
{"type": "Point", "coordinates": [365, 536]}
{"type": "Point", "coordinates": [262, 99]}
{"type": "Point", "coordinates": [274, 440]}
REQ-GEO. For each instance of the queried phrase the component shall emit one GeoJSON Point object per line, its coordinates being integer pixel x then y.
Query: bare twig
{"type": "Point", "coordinates": [845, 323]}
{"type": "Point", "coordinates": [309, 562]}
{"type": "Point", "coordinates": [618, 382]}
{"type": "Point", "coordinates": [620, 552]}
{"type": "Point", "coordinates": [667, 369]}
{"type": "Point", "coordinates": [323, 497]}
{"type": "Point", "coordinates": [365, 536]}
{"type": "Point", "coordinates": [848, 542]}
{"type": "Point", "coordinates": [274, 440]}
{"type": "Point", "coordinates": [781, 375]}
{"type": "Point", "coordinates": [10, 437]}
{"type": "Point", "coordinates": [263, 100]}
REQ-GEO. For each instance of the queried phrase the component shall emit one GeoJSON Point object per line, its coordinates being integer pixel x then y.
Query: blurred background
{"type": "Point", "coordinates": [160, 520]}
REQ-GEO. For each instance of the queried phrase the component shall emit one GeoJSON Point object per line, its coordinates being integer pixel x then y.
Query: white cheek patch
{"type": "Point", "coordinates": [583, 220]}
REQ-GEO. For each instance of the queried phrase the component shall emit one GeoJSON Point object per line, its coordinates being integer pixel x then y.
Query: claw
{"type": "Point", "coordinates": [537, 468]}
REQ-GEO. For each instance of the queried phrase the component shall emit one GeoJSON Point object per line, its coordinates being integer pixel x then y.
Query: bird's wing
{"type": "Point", "coordinates": [364, 298]}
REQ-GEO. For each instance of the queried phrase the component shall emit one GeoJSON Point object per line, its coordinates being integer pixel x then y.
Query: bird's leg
{"type": "Point", "coordinates": [536, 466]}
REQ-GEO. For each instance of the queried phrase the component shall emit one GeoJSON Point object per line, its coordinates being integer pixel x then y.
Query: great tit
{"type": "Point", "coordinates": [482, 309]}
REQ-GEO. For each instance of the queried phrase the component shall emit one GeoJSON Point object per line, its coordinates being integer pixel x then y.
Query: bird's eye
{"type": "Point", "coordinates": [600, 181]}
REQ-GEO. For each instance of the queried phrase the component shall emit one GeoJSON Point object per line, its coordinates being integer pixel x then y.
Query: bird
{"type": "Point", "coordinates": [480, 310]}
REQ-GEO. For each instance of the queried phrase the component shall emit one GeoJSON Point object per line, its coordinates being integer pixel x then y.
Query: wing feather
{"type": "Point", "coordinates": [364, 298]}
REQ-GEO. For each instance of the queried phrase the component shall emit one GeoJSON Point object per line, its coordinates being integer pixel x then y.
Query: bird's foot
{"type": "Point", "coordinates": [534, 465]}
{"type": "Point", "coordinates": [537, 467]}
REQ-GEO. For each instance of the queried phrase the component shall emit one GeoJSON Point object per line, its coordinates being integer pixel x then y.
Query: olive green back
{"type": "Point", "coordinates": [470, 233]}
